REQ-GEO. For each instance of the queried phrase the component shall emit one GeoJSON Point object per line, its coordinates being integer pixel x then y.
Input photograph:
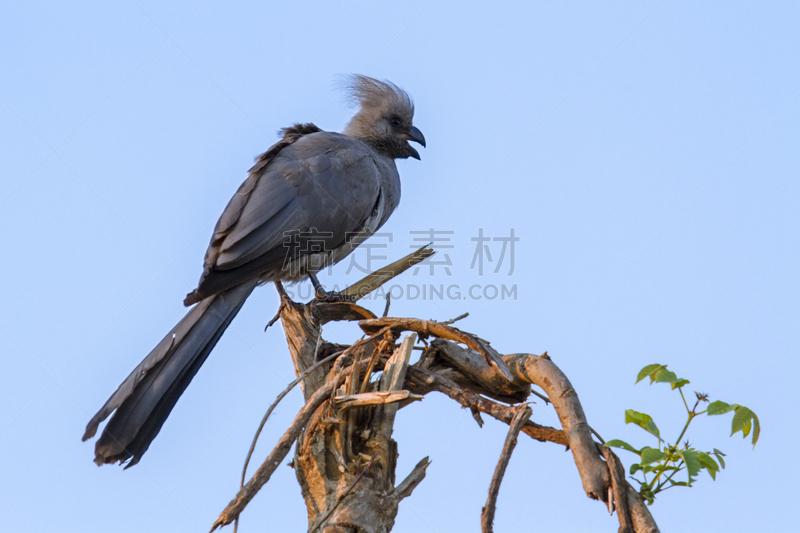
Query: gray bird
{"type": "Point", "coordinates": [308, 202]}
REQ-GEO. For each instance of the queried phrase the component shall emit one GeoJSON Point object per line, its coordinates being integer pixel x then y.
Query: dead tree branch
{"type": "Point", "coordinates": [407, 486]}
{"type": "Point", "coordinates": [437, 329]}
{"type": "Point", "coordinates": [379, 277]}
{"type": "Point", "coordinates": [345, 458]}
{"type": "Point", "coordinates": [272, 407]}
{"type": "Point", "coordinates": [542, 372]}
{"type": "Point", "coordinates": [523, 413]}
{"type": "Point", "coordinates": [272, 461]}
{"type": "Point", "coordinates": [423, 381]}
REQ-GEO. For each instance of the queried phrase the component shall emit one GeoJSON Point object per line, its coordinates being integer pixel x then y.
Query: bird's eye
{"type": "Point", "coordinates": [395, 121]}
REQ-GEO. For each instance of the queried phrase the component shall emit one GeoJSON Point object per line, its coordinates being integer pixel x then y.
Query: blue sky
{"type": "Point", "coordinates": [645, 154]}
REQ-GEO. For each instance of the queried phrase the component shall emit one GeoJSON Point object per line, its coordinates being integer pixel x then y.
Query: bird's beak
{"type": "Point", "coordinates": [414, 135]}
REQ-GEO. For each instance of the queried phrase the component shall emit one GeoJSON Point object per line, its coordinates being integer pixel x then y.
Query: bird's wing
{"type": "Point", "coordinates": [230, 215]}
{"type": "Point", "coordinates": [324, 186]}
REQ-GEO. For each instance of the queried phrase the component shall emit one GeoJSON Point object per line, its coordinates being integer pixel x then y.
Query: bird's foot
{"type": "Point", "coordinates": [285, 300]}
{"type": "Point", "coordinates": [322, 295]}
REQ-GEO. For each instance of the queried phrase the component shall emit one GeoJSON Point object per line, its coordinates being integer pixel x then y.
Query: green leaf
{"type": "Point", "coordinates": [665, 376]}
{"type": "Point", "coordinates": [616, 443]}
{"type": "Point", "coordinates": [707, 461]}
{"type": "Point", "coordinates": [709, 464]}
{"type": "Point", "coordinates": [720, 408]}
{"type": "Point", "coordinates": [743, 420]}
{"type": "Point", "coordinates": [635, 467]}
{"type": "Point", "coordinates": [720, 456]}
{"type": "Point", "coordinates": [756, 429]}
{"type": "Point", "coordinates": [649, 370]}
{"type": "Point", "coordinates": [651, 455]}
{"type": "Point", "coordinates": [693, 466]}
{"type": "Point", "coordinates": [680, 483]}
{"type": "Point", "coordinates": [659, 373]}
{"type": "Point", "coordinates": [642, 420]}
{"type": "Point", "coordinates": [680, 383]}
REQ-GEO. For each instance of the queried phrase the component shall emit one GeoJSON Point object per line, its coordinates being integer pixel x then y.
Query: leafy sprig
{"type": "Point", "coordinates": [658, 465]}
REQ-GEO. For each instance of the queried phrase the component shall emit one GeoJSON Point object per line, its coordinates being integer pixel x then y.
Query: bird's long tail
{"type": "Point", "coordinates": [144, 400]}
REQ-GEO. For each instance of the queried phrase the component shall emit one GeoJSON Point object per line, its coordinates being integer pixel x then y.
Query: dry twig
{"type": "Point", "coordinates": [278, 399]}
{"type": "Point", "coordinates": [265, 471]}
{"type": "Point", "coordinates": [523, 413]}
{"type": "Point", "coordinates": [456, 319]}
{"type": "Point", "coordinates": [423, 381]}
{"type": "Point", "coordinates": [388, 303]}
{"type": "Point", "coordinates": [407, 486]}
{"type": "Point", "coordinates": [372, 281]}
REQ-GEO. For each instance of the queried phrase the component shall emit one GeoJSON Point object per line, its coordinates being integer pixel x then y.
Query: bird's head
{"type": "Point", "coordinates": [385, 116]}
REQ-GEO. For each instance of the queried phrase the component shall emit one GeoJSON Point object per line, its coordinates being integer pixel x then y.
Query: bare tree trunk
{"type": "Point", "coordinates": [345, 457]}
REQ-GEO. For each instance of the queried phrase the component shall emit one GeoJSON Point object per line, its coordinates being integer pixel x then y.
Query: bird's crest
{"type": "Point", "coordinates": [369, 93]}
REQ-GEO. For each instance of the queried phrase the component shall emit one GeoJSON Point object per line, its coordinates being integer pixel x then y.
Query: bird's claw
{"type": "Point", "coordinates": [331, 296]}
